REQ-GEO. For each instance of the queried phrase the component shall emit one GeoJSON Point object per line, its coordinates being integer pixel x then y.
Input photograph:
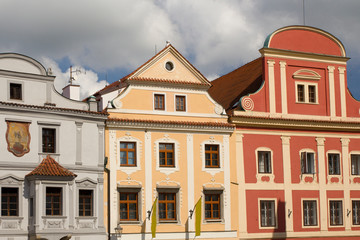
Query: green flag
{"type": "Point", "coordinates": [198, 218]}
{"type": "Point", "coordinates": [153, 219]}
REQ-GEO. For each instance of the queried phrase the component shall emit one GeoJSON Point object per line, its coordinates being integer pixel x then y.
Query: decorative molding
{"type": "Point", "coordinates": [212, 141]}
{"type": "Point", "coordinates": [139, 151]}
{"type": "Point", "coordinates": [177, 156]}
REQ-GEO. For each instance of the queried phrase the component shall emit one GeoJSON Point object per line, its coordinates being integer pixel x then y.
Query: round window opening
{"type": "Point", "coordinates": [169, 66]}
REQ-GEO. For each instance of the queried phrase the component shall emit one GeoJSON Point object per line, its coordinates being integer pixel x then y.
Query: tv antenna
{"type": "Point", "coordinates": [76, 71]}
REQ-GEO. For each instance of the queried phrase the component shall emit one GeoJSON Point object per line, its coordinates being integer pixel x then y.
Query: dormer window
{"type": "Point", "coordinates": [16, 91]}
{"type": "Point", "coordinates": [306, 92]}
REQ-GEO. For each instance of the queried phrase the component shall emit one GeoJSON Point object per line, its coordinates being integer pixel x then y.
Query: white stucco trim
{"type": "Point", "coordinates": [272, 95]}
{"type": "Point", "coordinates": [342, 91]}
{"type": "Point", "coordinates": [212, 141]}
{"type": "Point", "coordinates": [260, 175]}
{"type": "Point", "coordinates": [302, 212]}
{"type": "Point", "coordinates": [167, 139]}
{"type": "Point", "coordinates": [190, 177]}
{"type": "Point", "coordinates": [332, 91]}
{"type": "Point", "coordinates": [284, 107]}
{"type": "Point", "coordinates": [138, 152]}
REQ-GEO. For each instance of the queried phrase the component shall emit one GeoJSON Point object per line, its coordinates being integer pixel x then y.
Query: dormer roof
{"type": "Point", "coordinates": [49, 167]}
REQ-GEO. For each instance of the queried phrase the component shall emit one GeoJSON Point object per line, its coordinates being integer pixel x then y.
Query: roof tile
{"type": "Point", "coordinates": [49, 167]}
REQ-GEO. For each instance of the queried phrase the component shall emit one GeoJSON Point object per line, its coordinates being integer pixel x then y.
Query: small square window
{"type": "Point", "coordinates": [264, 162]}
{"type": "Point", "coordinates": [180, 103]}
{"type": "Point", "coordinates": [128, 154]}
{"type": "Point", "coordinates": [212, 159]}
{"type": "Point", "coordinates": [85, 203]}
{"type": "Point", "coordinates": [166, 155]}
{"type": "Point", "coordinates": [306, 92]}
{"type": "Point", "coordinates": [159, 102]}
{"type": "Point", "coordinates": [167, 206]}
{"type": "Point", "coordinates": [310, 212]}
{"type": "Point", "coordinates": [267, 212]}
{"type": "Point", "coordinates": [355, 164]}
{"type": "Point", "coordinates": [48, 140]}
{"type": "Point", "coordinates": [16, 91]}
{"type": "Point", "coordinates": [9, 201]}
{"type": "Point", "coordinates": [336, 213]}
{"type": "Point", "coordinates": [53, 201]}
{"type": "Point", "coordinates": [307, 163]}
{"type": "Point", "coordinates": [334, 163]}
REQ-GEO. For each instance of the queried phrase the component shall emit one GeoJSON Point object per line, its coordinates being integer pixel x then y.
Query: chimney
{"type": "Point", "coordinates": [93, 104]}
{"type": "Point", "coordinates": [72, 91]}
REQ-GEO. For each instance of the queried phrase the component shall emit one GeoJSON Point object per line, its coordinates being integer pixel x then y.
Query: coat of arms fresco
{"type": "Point", "coordinates": [18, 138]}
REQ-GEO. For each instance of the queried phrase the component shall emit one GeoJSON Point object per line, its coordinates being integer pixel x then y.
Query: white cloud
{"type": "Point", "coordinates": [87, 79]}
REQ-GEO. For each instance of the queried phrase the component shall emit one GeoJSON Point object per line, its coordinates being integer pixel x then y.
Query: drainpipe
{"type": "Point", "coordinates": [108, 196]}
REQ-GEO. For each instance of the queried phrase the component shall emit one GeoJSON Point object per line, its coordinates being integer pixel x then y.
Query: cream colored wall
{"type": "Point", "coordinates": [179, 73]}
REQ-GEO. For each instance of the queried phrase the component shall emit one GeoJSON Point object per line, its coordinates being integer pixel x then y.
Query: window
{"type": "Point", "coordinates": [356, 212]}
{"type": "Point", "coordinates": [15, 91]}
{"type": "Point", "coordinates": [212, 159]}
{"type": "Point", "coordinates": [180, 103]}
{"type": "Point", "coordinates": [48, 140]}
{"type": "Point", "coordinates": [307, 163]}
{"type": "Point", "coordinates": [159, 102]}
{"type": "Point", "coordinates": [128, 154]}
{"type": "Point", "coordinates": [336, 213]}
{"type": "Point", "coordinates": [310, 212]}
{"type": "Point", "coordinates": [306, 92]}
{"type": "Point", "coordinates": [166, 155]}
{"type": "Point", "coordinates": [355, 164]}
{"type": "Point", "coordinates": [129, 206]}
{"type": "Point", "coordinates": [167, 206]}
{"type": "Point", "coordinates": [85, 203]}
{"type": "Point", "coordinates": [53, 201]}
{"type": "Point", "coordinates": [267, 211]}
{"type": "Point", "coordinates": [334, 163]}
{"type": "Point", "coordinates": [169, 66]}
{"type": "Point", "coordinates": [9, 201]}
{"type": "Point", "coordinates": [212, 206]}
{"type": "Point", "coordinates": [264, 162]}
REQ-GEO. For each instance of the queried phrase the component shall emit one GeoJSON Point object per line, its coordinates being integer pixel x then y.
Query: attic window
{"type": "Point", "coordinates": [15, 91]}
{"type": "Point", "coordinates": [169, 66]}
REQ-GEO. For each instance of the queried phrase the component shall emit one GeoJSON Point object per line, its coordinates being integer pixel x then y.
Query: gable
{"type": "Point", "coordinates": [169, 66]}
{"type": "Point", "coordinates": [20, 63]}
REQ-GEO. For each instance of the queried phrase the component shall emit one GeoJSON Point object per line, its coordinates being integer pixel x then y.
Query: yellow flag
{"type": "Point", "coordinates": [153, 219]}
{"type": "Point", "coordinates": [198, 218]}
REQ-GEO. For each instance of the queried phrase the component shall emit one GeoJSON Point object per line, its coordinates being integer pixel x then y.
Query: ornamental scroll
{"type": "Point", "coordinates": [18, 138]}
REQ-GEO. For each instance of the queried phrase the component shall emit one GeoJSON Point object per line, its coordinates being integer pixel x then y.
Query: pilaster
{"type": "Point", "coordinates": [342, 91]}
{"type": "Point", "coordinates": [78, 160]}
{"type": "Point", "coordinates": [284, 107]}
{"type": "Point", "coordinates": [148, 177]}
{"type": "Point", "coordinates": [332, 91]}
{"type": "Point", "coordinates": [191, 178]}
{"type": "Point", "coordinates": [322, 183]}
{"type": "Point", "coordinates": [346, 172]}
{"type": "Point", "coordinates": [241, 187]}
{"type": "Point", "coordinates": [287, 183]}
{"type": "Point", "coordinates": [271, 74]}
{"type": "Point", "coordinates": [227, 208]}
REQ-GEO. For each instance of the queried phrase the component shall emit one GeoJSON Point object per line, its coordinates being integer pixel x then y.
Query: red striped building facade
{"type": "Point", "coordinates": [297, 138]}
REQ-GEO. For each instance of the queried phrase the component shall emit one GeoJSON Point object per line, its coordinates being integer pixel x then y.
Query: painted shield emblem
{"type": "Point", "coordinates": [18, 138]}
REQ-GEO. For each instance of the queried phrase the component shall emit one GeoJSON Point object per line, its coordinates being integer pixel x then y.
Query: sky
{"type": "Point", "coordinates": [105, 40]}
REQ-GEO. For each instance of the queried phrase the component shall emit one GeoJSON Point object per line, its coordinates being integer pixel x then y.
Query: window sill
{"type": "Point", "coordinates": [135, 222]}
{"type": "Point", "coordinates": [86, 217]}
{"type": "Point", "coordinates": [11, 218]}
{"type": "Point", "coordinates": [53, 217]}
{"type": "Point", "coordinates": [213, 221]}
{"type": "Point", "coordinates": [169, 222]}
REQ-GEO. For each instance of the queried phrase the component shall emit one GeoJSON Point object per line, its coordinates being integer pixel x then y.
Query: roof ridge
{"type": "Point", "coordinates": [49, 167]}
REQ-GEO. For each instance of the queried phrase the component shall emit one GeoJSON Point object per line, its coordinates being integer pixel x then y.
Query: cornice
{"type": "Point", "coordinates": [294, 124]}
{"type": "Point", "coordinates": [273, 52]}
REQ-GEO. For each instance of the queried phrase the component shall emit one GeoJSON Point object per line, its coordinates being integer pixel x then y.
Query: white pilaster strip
{"type": "Point", "coordinates": [113, 186]}
{"type": "Point", "coordinates": [342, 91]}
{"type": "Point", "coordinates": [287, 183]}
{"type": "Point", "coordinates": [347, 187]}
{"type": "Point", "coordinates": [78, 160]}
{"type": "Point", "coordinates": [332, 91]}
{"type": "Point", "coordinates": [101, 128]}
{"type": "Point", "coordinates": [241, 187]}
{"type": "Point", "coordinates": [284, 107]}
{"type": "Point", "coordinates": [271, 85]}
{"type": "Point", "coordinates": [191, 181]}
{"type": "Point", "coordinates": [322, 183]}
{"type": "Point", "coordinates": [227, 209]}
{"type": "Point", "coordinates": [148, 177]}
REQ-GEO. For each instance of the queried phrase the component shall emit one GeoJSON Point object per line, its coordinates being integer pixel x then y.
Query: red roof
{"type": "Point", "coordinates": [49, 167]}
{"type": "Point", "coordinates": [229, 88]}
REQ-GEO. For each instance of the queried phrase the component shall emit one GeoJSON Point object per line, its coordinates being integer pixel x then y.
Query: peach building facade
{"type": "Point", "coordinates": [167, 142]}
{"type": "Point", "coordinates": [296, 140]}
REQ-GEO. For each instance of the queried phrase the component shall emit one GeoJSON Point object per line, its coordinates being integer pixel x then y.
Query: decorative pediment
{"type": "Point", "coordinates": [306, 74]}
{"type": "Point", "coordinates": [86, 182]}
{"type": "Point", "coordinates": [11, 179]}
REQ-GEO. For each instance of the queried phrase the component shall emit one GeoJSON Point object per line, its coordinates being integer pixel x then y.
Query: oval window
{"type": "Point", "coordinates": [169, 66]}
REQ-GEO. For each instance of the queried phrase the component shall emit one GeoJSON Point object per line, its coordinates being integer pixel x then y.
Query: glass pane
{"type": "Point", "coordinates": [131, 154]}
{"type": "Point", "coordinates": [122, 145]}
{"type": "Point", "coordinates": [132, 196]}
{"type": "Point", "coordinates": [161, 196]}
{"type": "Point", "coordinates": [207, 214]}
{"type": "Point", "coordinates": [161, 206]}
{"type": "Point", "coordinates": [132, 206]}
{"type": "Point", "coordinates": [131, 161]}
{"type": "Point", "coordinates": [132, 215]}
{"type": "Point", "coordinates": [216, 214]}
{"type": "Point", "coordinates": [216, 206]}
{"type": "Point", "coordinates": [170, 206]}
{"type": "Point", "coordinates": [123, 196]}
{"type": "Point", "coordinates": [170, 196]}
{"type": "Point", "coordinates": [123, 215]}
{"type": "Point", "coordinates": [162, 214]}
{"type": "Point", "coordinates": [171, 215]}
{"type": "Point", "coordinates": [123, 207]}
{"type": "Point", "coordinates": [207, 206]}
{"type": "Point", "coordinates": [131, 145]}
{"type": "Point", "coordinates": [161, 146]}
{"type": "Point", "coordinates": [169, 146]}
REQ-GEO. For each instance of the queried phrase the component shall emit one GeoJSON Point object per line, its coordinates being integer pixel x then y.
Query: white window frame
{"type": "Point", "coordinates": [86, 184]}
{"type": "Point", "coordinates": [214, 191]}
{"type": "Point", "coordinates": [327, 162]}
{"type": "Point", "coordinates": [153, 100]}
{"type": "Point", "coordinates": [317, 212]}
{"type": "Point", "coordinates": [307, 150]}
{"type": "Point", "coordinates": [260, 175]}
{"type": "Point", "coordinates": [128, 169]}
{"type": "Point", "coordinates": [52, 125]}
{"type": "Point", "coordinates": [167, 170]}
{"type": "Point", "coordinates": [186, 105]}
{"type": "Point", "coordinates": [22, 90]}
{"type": "Point", "coordinates": [64, 206]}
{"type": "Point", "coordinates": [352, 213]}
{"type": "Point", "coordinates": [306, 92]}
{"type": "Point", "coordinates": [11, 181]}
{"type": "Point", "coordinates": [275, 213]}
{"type": "Point", "coordinates": [354, 153]}
{"type": "Point", "coordinates": [212, 171]}
{"type": "Point", "coordinates": [130, 189]}
{"type": "Point", "coordinates": [177, 204]}
{"type": "Point", "coordinates": [342, 212]}
{"type": "Point", "coordinates": [166, 61]}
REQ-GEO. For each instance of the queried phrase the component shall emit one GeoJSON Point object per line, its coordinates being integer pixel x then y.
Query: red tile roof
{"type": "Point", "coordinates": [187, 123]}
{"type": "Point", "coordinates": [229, 88]}
{"type": "Point", "coordinates": [167, 81]}
{"type": "Point", "coordinates": [49, 167]}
